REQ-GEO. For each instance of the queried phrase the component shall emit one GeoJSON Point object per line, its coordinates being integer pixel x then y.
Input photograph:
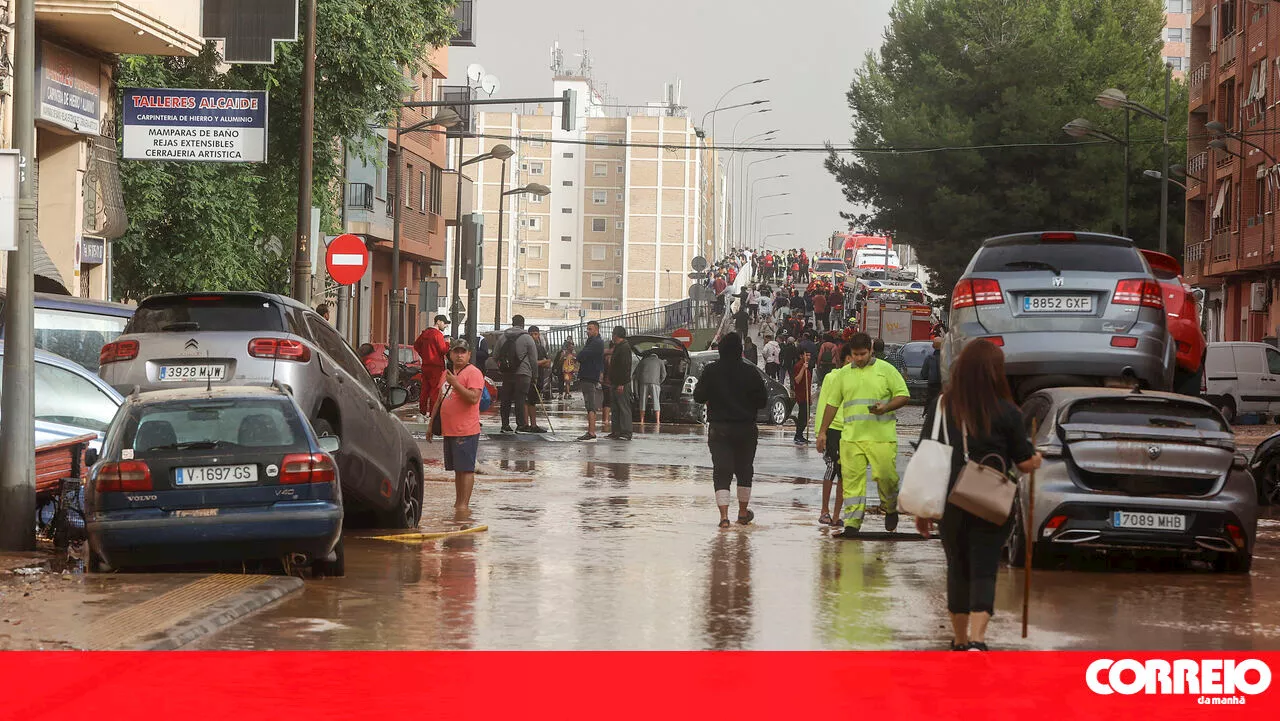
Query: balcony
{"type": "Point", "coordinates": [1220, 243]}
{"type": "Point", "coordinates": [1197, 82]}
{"type": "Point", "coordinates": [360, 196]}
{"type": "Point", "coordinates": [1193, 261]}
{"type": "Point", "coordinates": [1228, 50]}
{"type": "Point", "coordinates": [464, 15]}
{"type": "Point", "coordinates": [121, 27]}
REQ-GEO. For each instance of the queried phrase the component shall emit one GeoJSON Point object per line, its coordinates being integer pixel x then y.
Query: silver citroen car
{"type": "Point", "coordinates": [1135, 471]}
{"type": "Point", "coordinates": [194, 340]}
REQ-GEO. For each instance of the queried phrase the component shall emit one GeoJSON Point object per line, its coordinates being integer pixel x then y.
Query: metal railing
{"type": "Point", "coordinates": [1196, 81]}
{"type": "Point", "coordinates": [1221, 243]}
{"type": "Point", "coordinates": [1198, 165]}
{"type": "Point", "coordinates": [1228, 49]}
{"type": "Point", "coordinates": [662, 321]}
{"type": "Point", "coordinates": [360, 195]}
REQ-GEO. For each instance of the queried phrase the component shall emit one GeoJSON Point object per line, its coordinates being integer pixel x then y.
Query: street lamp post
{"type": "Point", "coordinates": [446, 118]}
{"type": "Point", "coordinates": [735, 156]}
{"type": "Point", "coordinates": [746, 175]}
{"type": "Point", "coordinates": [751, 197]}
{"type": "Point", "coordinates": [761, 221]}
{"type": "Point", "coordinates": [534, 189]}
{"type": "Point", "coordinates": [1114, 99]}
{"type": "Point", "coordinates": [1158, 176]}
{"type": "Point", "coordinates": [765, 240]}
{"type": "Point", "coordinates": [714, 139]}
{"type": "Point", "coordinates": [739, 189]}
{"type": "Point", "coordinates": [499, 152]}
{"type": "Point", "coordinates": [1083, 128]}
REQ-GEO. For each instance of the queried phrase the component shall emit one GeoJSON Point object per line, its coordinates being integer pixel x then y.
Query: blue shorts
{"type": "Point", "coordinates": [460, 453]}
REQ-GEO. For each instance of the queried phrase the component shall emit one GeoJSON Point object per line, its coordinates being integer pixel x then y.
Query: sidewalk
{"type": "Point", "coordinates": [43, 606]}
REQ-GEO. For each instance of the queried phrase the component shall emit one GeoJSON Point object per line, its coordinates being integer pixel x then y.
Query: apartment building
{"type": "Point", "coordinates": [81, 205]}
{"type": "Point", "coordinates": [1232, 192]}
{"type": "Point", "coordinates": [626, 215]}
{"type": "Point", "coordinates": [1177, 36]}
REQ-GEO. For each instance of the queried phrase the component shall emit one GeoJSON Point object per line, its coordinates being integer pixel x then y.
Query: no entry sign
{"type": "Point", "coordinates": [684, 336]}
{"type": "Point", "coordinates": [347, 259]}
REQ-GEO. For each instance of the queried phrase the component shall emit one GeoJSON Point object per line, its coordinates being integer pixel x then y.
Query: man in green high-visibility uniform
{"type": "Point", "coordinates": [869, 393]}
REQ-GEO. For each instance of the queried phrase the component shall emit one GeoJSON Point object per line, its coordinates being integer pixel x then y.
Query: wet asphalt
{"type": "Point", "coordinates": [614, 545]}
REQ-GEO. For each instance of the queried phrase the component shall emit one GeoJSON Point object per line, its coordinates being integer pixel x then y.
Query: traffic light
{"type": "Point", "coordinates": [472, 250]}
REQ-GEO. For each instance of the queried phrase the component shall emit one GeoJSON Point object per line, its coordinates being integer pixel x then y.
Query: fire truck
{"type": "Point", "coordinates": [867, 252]}
{"type": "Point", "coordinates": [892, 307]}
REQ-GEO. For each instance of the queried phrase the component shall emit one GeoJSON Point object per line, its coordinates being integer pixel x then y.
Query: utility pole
{"type": "Point", "coordinates": [17, 408]}
{"type": "Point", "coordinates": [401, 195]}
{"type": "Point", "coordinates": [302, 251]}
{"type": "Point", "coordinates": [1164, 179]}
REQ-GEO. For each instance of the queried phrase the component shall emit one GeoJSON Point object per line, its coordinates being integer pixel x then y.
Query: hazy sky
{"type": "Point", "coordinates": [808, 49]}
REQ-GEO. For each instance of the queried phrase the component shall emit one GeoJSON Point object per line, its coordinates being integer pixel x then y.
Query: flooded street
{"type": "Point", "coordinates": [614, 546]}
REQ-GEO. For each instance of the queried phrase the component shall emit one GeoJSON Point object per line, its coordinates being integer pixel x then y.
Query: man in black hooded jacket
{"type": "Point", "coordinates": [734, 393]}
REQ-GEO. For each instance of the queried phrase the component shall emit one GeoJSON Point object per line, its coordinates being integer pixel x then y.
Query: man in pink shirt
{"type": "Point", "coordinates": [459, 409]}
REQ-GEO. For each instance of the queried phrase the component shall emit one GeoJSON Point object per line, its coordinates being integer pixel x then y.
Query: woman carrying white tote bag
{"type": "Point", "coordinates": [924, 487]}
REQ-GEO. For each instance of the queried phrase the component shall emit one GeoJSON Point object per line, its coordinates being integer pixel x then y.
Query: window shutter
{"type": "Point", "coordinates": [1213, 30]}
{"type": "Point", "coordinates": [1222, 198]}
{"type": "Point", "coordinates": [1253, 89]}
{"type": "Point", "coordinates": [1262, 82]}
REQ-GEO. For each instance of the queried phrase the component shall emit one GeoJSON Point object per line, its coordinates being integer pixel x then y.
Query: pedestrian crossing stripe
{"type": "Point", "coordinates": [423, 537]}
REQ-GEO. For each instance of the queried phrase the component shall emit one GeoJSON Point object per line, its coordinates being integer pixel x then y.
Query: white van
{"type": "Point", "coordinates": [1242, 378]}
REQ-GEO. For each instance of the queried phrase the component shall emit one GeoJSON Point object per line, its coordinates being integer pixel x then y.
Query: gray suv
{"type": "Point", "coordinates": [197, 339]}
{"type": "Point", "coordinates": [1069, 309]}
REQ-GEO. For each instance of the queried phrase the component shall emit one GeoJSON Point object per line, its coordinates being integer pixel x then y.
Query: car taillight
{"type": "Point", "coordinates": [978, 291]}
{"type": "Point", "coordinates": [280, 349]}
{"type": "Point", "coordinates": [1124, 341]}
{"type": "Point", "coordinates": [121, 350]}
{"type": "Point", "coordinates": [1057, 237]}
{"type": "Point", "coordinates": [307, 468]}
{"type": "Point", "coordinates": [1138, 292]}
{"type": "Point", "coordinates": [124, 476]}
{"type": "Point", "coordinates": [1053, 525]}
{"type": "Point", "coordinates": [995, 340]}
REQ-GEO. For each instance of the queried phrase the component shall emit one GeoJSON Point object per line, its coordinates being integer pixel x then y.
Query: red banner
{"type": "Point", "coordinates": [651, 686]}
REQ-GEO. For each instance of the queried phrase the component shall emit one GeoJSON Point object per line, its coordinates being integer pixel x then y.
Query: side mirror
{"type": "Point", "coordinates": [397, 397]}
{"type": "Point", "coordinates": [330, 444]}
{"type": "Point", "coordinates": [90, 457]}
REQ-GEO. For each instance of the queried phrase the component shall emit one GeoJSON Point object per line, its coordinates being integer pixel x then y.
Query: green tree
{"type": "Point", "coordinates": [210, 226]}
{"type": "Point", "coordinates": [963, 74]}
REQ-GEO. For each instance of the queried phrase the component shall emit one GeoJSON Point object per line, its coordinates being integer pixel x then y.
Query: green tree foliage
{"type": "Point", "coordinates": [210, 226]}
{"type": "Point", "coordinates": [969, 73]}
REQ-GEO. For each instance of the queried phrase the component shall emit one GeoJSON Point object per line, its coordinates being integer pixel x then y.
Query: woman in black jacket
{"type": "Point", "coordinates": [979, 404]}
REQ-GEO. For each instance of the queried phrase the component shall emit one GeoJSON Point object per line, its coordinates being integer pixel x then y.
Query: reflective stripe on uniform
{"type": "Point", "coordinates": [871, 417]}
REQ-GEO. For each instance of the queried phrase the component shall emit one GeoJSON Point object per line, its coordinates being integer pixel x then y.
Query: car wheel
{"type": "Point", "coordinates": [778, 412]}
{"type": "Point", "coordinates": [95, 564]}
{"type": "Point", "coordinates": [336, 568]}
{"type": "Point", "coordinates": [1016, 549]}
{"type": "Point", "coordinates": [1269, 483]}
{"type": "Point", "coordinates": [1227, 407]}
{"type": "Point", "coordinates": [322, 428]}
{"type": "Point", "coordinates": [1233, 562]}
{"type": "Point", "coordinates": [407, 512]}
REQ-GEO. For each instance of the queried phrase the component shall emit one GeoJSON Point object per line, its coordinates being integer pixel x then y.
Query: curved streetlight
{"type": "Point", "coordinates": [745, 178]}
{"type": "Point", "coordinates": [1158, 176]}
{"type": "Point", "coordinates": [1180, 170]}
{"type": "Point", "coordinates": [502, 152]}
{"type": "Point", "coordinates": [766, 218]}
{"type": "Point", "coordinates": [537, 190]}
{"type": "Point", "coordinates": [765, 240]}
{"type": "Point", "coordinates": [715, 182]}
{"type": "Point", "coordinates": [751, 197]}
{"type": "Point", "coordinates": [446, 118]}
{"type": "Point", "coordinates": [1116, 99]}
{"type": "Point", "coordinates": [733, 155]}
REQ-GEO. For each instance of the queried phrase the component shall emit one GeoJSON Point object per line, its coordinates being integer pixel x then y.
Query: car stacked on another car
{"type": "Point", "coordinates": [1069, 309]}
{"type": "Point", "coordinates": [1127, 470]}
{"type": "Point", "coordinates": [75, 328]}
{"type": "Point", "coordinates": [226, 474]}
{"type": "Point", "coordinates": [210, 340]}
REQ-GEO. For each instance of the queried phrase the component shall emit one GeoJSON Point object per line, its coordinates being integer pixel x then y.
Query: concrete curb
{"type": "Point", "coordinates": [220, 615]}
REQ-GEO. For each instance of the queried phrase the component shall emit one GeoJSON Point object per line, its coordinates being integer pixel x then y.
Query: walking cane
{"type": "Point", "coordinates": [538, 393]}
{"type": "Point", "coordinates": [1029, 539]}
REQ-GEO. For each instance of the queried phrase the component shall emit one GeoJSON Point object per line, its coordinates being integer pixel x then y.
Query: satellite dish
{"type": "Point", "coordinates": [475, 72]}
{"type": "Point", "coordinates": [699, 264]}
{"type": "Point", "coordinates": [490, 84]}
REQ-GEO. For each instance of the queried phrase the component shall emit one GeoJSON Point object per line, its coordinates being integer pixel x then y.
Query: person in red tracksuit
{"type": "Point", "coordinates": [434, 349]}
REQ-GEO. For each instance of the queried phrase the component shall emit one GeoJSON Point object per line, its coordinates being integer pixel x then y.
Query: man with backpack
{"type": "Point", "coordinates": [517, 361]}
